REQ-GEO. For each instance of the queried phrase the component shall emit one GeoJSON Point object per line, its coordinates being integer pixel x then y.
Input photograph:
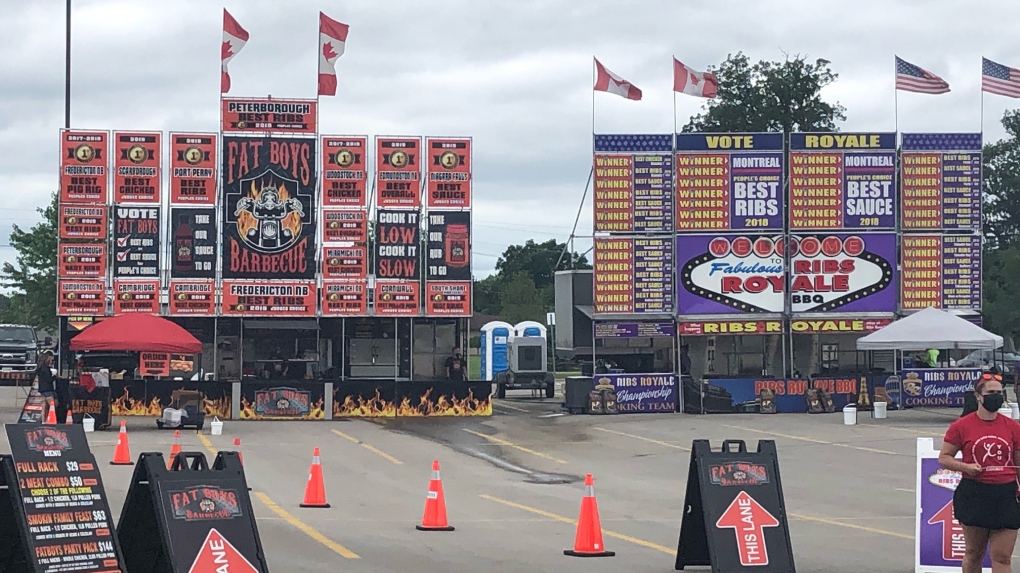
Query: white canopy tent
{"type": "Point", "coordinates": [930, 328]}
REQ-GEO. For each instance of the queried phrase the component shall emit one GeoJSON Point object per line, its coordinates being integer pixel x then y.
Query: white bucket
{"type": "Point", "coordinates": [1006, 411]}
{"type": "Point", "coordinates": [88, 423]}
{"type": "Point", "coordinates": [880, 409]}
{"type": "Point", "coordinates": [216, 427]}
{"type": "Point", "coordinates": [1016, 410]}
{"type": "Point", "coordinates": [850, 415]}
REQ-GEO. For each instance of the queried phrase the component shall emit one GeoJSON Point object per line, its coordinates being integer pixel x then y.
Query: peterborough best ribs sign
{"type": "Point", "coordinates": [269, 207]}
{"type": "Point", "coordinates": [738, 273]}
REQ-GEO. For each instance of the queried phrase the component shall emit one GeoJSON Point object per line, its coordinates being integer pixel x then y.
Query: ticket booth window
{"type": "Point", "coordinates": [830, 357]}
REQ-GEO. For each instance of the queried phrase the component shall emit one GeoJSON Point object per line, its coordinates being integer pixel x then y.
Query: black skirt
{"type": "Point", "coordinates": [989, 506]}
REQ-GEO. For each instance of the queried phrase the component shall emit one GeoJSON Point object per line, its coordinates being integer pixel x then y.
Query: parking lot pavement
{"type": "Point", "coordinates": [513, 486]}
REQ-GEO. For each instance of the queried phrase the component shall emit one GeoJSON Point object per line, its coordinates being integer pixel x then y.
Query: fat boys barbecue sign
{"type": "Point", "coordinates": [737, 273]}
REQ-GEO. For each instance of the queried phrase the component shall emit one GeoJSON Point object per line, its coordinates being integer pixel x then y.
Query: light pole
{"type": "Point", "coordinates": [67, 70]}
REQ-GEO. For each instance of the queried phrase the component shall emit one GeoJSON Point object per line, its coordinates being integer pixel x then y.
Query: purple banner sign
{"type": "Point", "coordinates": [961, 272]}
{"type": "Point", "coordinates": [936, 387]}
{"type": "Point", "coordinates": [653, 276]}
{"type": "Point", "coordinates": [940, 540]}
{"type": "Point", "coordinates": [634, 329]}
{"type": "Point", "coordinates": [641, 392]}
{"type": "Point", "coordinates": [729, 274]}
{"type": "Point", "coordinates": [941, 181]}
{"type": "Point", "coordinates": [653, 193]}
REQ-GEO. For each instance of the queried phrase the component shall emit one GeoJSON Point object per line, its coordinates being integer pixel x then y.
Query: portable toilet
{"type": "Point", "coordinates": [529, 328]}
{"type": "Point", "coordinates": [493, 342]}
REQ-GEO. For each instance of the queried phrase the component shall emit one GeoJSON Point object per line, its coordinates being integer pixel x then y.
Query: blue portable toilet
{"type": "Point", "coordinates": [493, 342]}
{"type": "Point", "coordinates": [530, 328]}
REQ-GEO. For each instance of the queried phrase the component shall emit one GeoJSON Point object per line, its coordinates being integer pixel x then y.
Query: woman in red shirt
{"type": "Point", "coordinates": [985, 503]}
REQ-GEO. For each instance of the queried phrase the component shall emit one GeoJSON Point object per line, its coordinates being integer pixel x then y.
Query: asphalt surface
{"type": "Point", "coordinates": [514, 482]}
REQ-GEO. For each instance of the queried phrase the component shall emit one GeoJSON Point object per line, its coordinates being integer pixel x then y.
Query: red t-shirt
{"type": "Point", "coordinates": [988, 443]}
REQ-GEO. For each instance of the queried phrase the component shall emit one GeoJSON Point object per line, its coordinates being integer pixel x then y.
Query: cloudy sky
{"type": "Point", "coordinates": [516, 76]}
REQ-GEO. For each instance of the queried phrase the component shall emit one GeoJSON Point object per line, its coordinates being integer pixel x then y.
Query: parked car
{"type": "Point", "coordinates": [18, 347]}
{"type": "Point", "coordinates": [1005, 361]}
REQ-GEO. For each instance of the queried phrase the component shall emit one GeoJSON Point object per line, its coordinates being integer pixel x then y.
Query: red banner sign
{"type": "Point", "coordinates": [449, 173]}
{"type": "Point", "coordinates": [344, 171]}
{"type": "Point", "coordinates": [397, 298]}
{"type": "Point", "coordinates": [398, 172]}
{"type": "Point", "coordinates": [81, 260]}
{"type": "Point", "coordinates": [269, 298]}
{"type": "Point", "coordinates": [344, 226]}
{"type": "Point", "coordinates": [83, 173]}
{"type": "Point", "coordinates": [86, 298]}
{"type": "Point", "coordinates": [192, 298]}
{"type": "Point", "coordinates": [135, 296]}
{"type": "Point", "coordinates": [448, 298]}
{"type": "Point", "coordinates": [82, 221]}
{"type": "Point", "coordinates": [193, 168]}
{"type": "Point", "coordinates": [345, 262]}
{"type": "Point", "coordinates": [267, 115]}
{"type": "Point", "coordinates": [137, 163]}
{"type": "Point", "coordinates": [348, 298]}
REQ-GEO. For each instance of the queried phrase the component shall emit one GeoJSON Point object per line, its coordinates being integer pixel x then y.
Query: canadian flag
{"type": "Point", "coordinates": [691, 82]}
{"type": "Point", "coordinates": [234, 38]}
{"type": "Point", "coordinates": [332, 37]}
{"type": "Point", "coordinates": [607, 81]}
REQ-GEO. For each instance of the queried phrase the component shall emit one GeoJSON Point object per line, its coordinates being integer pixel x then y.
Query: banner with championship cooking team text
{"type": "Point", "coordinates": [633, 184]}
{"type": "Point", "coordinates": [135, 296]}
{"type": "Point", "coordinates": [397, 242]}
{"type": "Point", "coordinates": [193, 168]}
{"type": "Point", "coordinates": [344, 298]}
{"type": "Point", "coordinates": [79, 221]}
{"type": "Point", "coordinates": [448, 172]}
{"type": "Point", "coordinates": [398, 172]}
{"type": "Point", "coordinates": [941, 181]}
{"type": "Point", "coordinates": [81, 260]}
{"type": "Point", "coordinates": [344, 226]}
{"type": "Point", "coordinates": [81, 297]}
{"type": "Point", "coordinates": [943, 271]}
{"type": "Point", "coordinates": [268, 115]}
{"type": "Point", "coordinates": [83, 166]}
{"type": "Point", "coordinates": [136, 242]}
{"type": "Point", "coordinates": [269, 298]}
{"type": "Point", "coordinates": [344, 171]}
{"type": "Point", "coordinates": [137, 167]}
{"type": "Point", "coordinates": [633, 275]}
{"type": "Point", "coordinates": [269, 207]}
{"type": "Point", "coordinates": [842, 181]}
{"type": "Point", "coordinates": [193, 242]}
{"type": "Point", "coordinates": [729, 181]}
{"type": "Point", "coordinates": [192, 298]}
{"type": "Point", "coordinates": [397, 298]}
{"type": "Point", "coordinates": [730, 273]}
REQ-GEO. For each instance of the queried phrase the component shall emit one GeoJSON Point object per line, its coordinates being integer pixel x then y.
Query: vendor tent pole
{"type": "Point", "coordinates": [240, 355]}
{"type": "Point", "coordinates": [343, 349]}
{"type": "Point", "coordinates": [318, 350]}
{"type": "Point", "coordinates": [216, 347]}
{"type": "Point", "coordinates": [396, 349]}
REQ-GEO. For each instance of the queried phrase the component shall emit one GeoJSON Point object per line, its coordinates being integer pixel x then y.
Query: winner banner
{"type": "Point", "coordinates": [729, 182]}
{"type": "Point", "coordinates": [269, 205]}
{"type": "Point", "coordinates": [941, 181]}
{"type": "Point", "coordinates": [842, 181]}
{"type": "Point", "coordinates": [943, 271]}
{"type": "Point", "coordinates": [633, 275]}
{"type": "Point", "coordinates": [633, 182]}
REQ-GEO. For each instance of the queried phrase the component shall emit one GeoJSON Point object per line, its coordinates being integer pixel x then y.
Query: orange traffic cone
{"type": "Point", "coordinates": [435, 505]}
{"type": "Point", "coordinates": [237, 446]}
{"type": "Point", "coordinates": [315, 491]}
{"type": "Point", "coordinates": [175, 448]}
{"type": "Point", "coordinates": [51, 414]}
{"type": "Point", "coordinates": [70, 418]}
{"type": "Point", "coordinates": [122, 453]}
{"type": "Point", "coordinates": [588, 542]}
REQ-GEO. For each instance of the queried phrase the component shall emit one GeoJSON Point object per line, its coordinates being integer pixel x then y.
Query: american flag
{"type": "Point", "coordinates": [998, 79]}
{"type": "Point", "coordinates": [911, 78]}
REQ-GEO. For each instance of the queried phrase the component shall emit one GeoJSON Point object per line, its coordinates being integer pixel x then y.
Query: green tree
{"type": "Point", "coordinates": [1002, 185]}
{"type": "Point", "coordinates": [769, 96]}
{"type": "Point", "coordinates": [486, 295]}
{"type": "Point", "coordinates": [1001, 308]}
{"type": "Point", "coordinates": [519, 300]}
{"type": "Point", "coordinates": [538, 262]}
{"type": "Point", "coordinates": [33, 279]}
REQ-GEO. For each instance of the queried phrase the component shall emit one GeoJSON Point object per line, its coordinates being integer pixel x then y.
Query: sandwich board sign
{"type": "Point", "coordinates": [734, 513]}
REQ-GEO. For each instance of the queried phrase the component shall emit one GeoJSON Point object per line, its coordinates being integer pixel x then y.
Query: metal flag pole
{"type": "Point", "coordinates": [896, 103]}
{"type": "Point", "coordinates": [594, 78]}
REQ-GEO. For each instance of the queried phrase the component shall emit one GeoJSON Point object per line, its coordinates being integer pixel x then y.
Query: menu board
{"type": "Point", "coordinates": [633, 275]}
{"type": "Point", "coordinates": [193, 168]}
{"type": "Point", "coordinates": [943, 271]}
{"type": "Point", "coordinates": [842, 181]}
{"type": "Point", "coordinates": [633, 184]}
{"type": "Point", "coordinates": [941, 181]}
{"type": "Point", "coordinates": [136, 242]}
{"type": "Point", "coordinates": [63, 503]}
{"type": "Point", "coordinates": [729, 181]}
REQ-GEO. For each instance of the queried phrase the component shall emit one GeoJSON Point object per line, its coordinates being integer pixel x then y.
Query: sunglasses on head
{"type": "Point", "coordinates": [986, 376]}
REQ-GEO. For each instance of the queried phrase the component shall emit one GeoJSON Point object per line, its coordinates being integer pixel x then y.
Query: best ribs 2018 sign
{"type": "Point", "coordinates": [722, 274]}
{"type": "Point", "coordinates": [269, 207]}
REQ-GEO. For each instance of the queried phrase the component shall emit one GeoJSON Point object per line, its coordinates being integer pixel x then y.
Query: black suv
{"type": "Point", "coordinates": [18, 347]}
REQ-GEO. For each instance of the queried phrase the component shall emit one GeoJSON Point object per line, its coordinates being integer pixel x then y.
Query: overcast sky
{"type": "Point", "coordinates": [516, 76]}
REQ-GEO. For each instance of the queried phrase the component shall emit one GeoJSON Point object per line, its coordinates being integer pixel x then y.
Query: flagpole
{"type": "Point", "coordinates": [896, 104]}
{"type": "Point", "coordinates": [594, 78]}
{"type": "Point", "coordinates": [674, 112]}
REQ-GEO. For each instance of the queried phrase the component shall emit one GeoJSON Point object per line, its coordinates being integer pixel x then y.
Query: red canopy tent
{"type": "Point", "coordinates": [137, 333]}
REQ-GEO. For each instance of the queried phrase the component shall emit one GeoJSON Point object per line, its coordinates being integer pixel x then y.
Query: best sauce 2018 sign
{"type": "Point", "coordinates": [269, 208]}
{"type": "Point", "coordinates": [736, 273]}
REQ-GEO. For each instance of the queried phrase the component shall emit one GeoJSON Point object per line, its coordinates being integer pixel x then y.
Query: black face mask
{"type": "Point", "coordinates": [992, 402]}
